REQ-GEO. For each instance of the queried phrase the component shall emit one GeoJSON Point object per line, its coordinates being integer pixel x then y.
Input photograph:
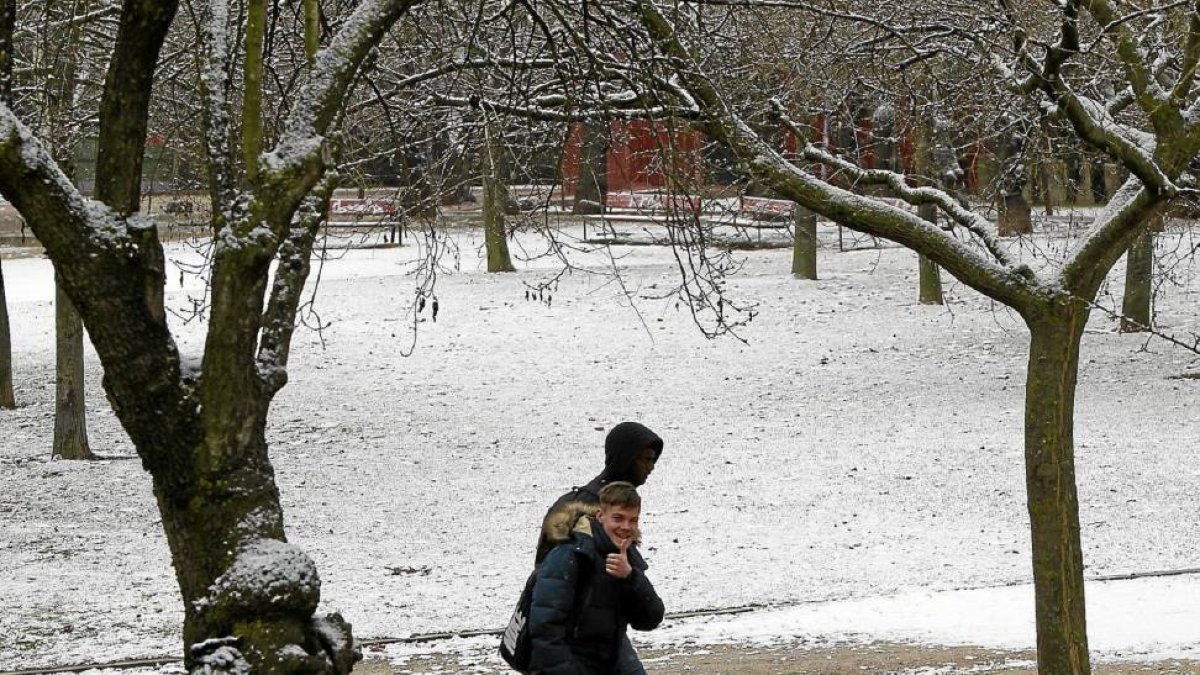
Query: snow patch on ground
{"type": "Point", "coordinates": [857, 445]}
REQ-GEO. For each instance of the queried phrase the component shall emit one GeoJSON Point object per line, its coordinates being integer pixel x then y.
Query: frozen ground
{"type": "Point", "coordinates": [858, 446]}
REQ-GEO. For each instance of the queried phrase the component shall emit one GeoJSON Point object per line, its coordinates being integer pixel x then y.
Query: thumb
{"type": "Point", "coordinates": [625, 545]}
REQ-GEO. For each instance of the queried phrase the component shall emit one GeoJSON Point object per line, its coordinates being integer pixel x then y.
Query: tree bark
{"type": "Point", "coordinates": [8, 397]}
{"type": "Point", "coordinates": [804, 247]}
{"type": "Point", "coordinates": [8, 20]}
{"type": "Point", "coordinates": [1050, 485]}
{"type": "Point", "coordinates": [495, 202]}
{"type": "Point", "coordinates": [1015, 215]}
{"type": "Point", "coordinates": [70, 411]}
{"type": "Point", "coordinates": [593, 168]}
{"type": "Point", "coordinates": [1137, 306]}
{"type": "Point", "coordinates": [930, 284]}
{"type": "Point", "coordinates": [252, 122]}
{"type": "Point", "coordinates": [937, 164]}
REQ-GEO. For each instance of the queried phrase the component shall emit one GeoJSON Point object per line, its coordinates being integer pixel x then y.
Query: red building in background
{"type": "Point", "coordinates": [642, 154]}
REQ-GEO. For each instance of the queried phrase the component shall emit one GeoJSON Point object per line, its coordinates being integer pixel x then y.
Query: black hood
{"type": "Point", "coordinates": [622, 446]}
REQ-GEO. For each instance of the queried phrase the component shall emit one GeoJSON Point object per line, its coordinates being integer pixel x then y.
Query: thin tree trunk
{"type": "Point", "coordinates": [312, 29]}
{"type": "Point", "coordinates": [8, 398]}
{"type": "Point", "coordinates": [8, 20]}
{"type": "Point", "coordinates": [1137, 307]}
{"type": "Point", "coordinates": [593, 168]}
{"type": "Point", "coordinates": [930, 291]}
{"type": "Point", "coordinates": [804, 248]}
{"type": "Point", "coordinates": [1015, 215]}
{"type": "Point", "coordinates": [930, 284]}
{"type": "Point", "coordinates": [495, 201]}
{"type": "Point", "coordinates": [70, 413]}
{"type": "Point", "coordinates": [1051, 491]}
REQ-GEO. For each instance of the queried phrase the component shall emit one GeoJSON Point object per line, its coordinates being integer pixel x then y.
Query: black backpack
{"type": "Point", "coordinates": [516, 644]}
{"type": "Point", "coordinates": [516, 647]}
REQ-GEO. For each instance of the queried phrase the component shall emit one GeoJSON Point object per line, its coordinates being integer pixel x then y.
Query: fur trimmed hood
{"type": "Point", "coordinates": [568, 518]}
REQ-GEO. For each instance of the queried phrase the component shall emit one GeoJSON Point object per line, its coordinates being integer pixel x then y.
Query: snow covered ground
{"type": "Point", "coordinates": [858, 446]}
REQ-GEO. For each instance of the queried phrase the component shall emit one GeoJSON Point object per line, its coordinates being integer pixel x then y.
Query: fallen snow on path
{"type": "Point", "coordinates": [859, 445]}
{"type": "Point", "coordinates": [1143, 618]}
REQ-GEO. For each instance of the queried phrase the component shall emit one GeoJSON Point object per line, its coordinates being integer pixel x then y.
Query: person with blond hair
{"type": "Point", "coordinates": [591, 587]}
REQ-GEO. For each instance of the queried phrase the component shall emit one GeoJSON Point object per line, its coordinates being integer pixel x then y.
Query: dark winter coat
{"type": "Point", "coordinates": [580, 613]}
{"type": "Point", "coordinates": [622, 446]}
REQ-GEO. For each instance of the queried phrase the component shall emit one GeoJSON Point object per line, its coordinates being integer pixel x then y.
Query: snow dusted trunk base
{"type": "Point", "coordinates": [249, 596]}
{"type": "Point", "coordinates": [592, 188]}
{"type": "Point", "coordinates": [1015, 215]}
{"type": "Point", "coordinates": [1051, 488]}
{"type": "Point", "coordinates": [495, 203]}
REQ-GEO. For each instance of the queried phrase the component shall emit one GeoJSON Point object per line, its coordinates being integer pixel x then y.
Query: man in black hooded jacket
{"type": "Point", "coordinates": [630, 453]}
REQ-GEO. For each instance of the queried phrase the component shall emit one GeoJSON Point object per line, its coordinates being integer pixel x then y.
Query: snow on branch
{"type": "Point", "coordinates": [1147, 93]}
{"type": "Point", "coordinates": [333, 71]}
{"type": "Point", "coordinates": [1115, 226]}
{"type": "Point", "coordinates": [1013, 285]}
{"type": "Point", "coordinates": [898, 184]}
{"type": "Point", "coordinates": [295, 255]}
{"type": "Point", "coordinates": [560, 109]}
{"type": "Point", "coordinates": [34, 183]}
{"type": "Point", "coordinates": [215, 83]}
{"type": "Point", "coordinates": [1092, 120]}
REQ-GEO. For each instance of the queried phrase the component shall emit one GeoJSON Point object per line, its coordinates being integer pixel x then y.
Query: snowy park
{"type": "Point", "coordinates": [734, 337]}
{"type": "Point", "coordinates": [851, 469]}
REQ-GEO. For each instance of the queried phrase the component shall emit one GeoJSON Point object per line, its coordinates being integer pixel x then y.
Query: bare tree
{"type": "Point", "coordinates": [1155, 140]}
{"type": "Point", "coordinates": [199, 424]}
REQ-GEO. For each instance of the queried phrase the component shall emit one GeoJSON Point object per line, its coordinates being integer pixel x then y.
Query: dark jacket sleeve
{"type": "Point", "coordinates": [643, 608]}
{"type": "Point", "coordinates": [550, 614]}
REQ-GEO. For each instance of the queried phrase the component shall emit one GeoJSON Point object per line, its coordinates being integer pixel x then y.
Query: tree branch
{"type": "Point", "coordinates": [1014, 286]}
{"type": "Point", "coordinates": [898, 184]}
{"type": "Point", "coordinates": [295, 253]}
{"type": "Point", "coordinates": [99, 264]}
{"type": "Point", "coordinates": [1115, 228]}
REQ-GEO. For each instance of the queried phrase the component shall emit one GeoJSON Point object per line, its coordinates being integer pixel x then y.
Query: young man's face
{"type": "Point", "coordinates": [644, 465]}
{"type": "Point", "coordinates": [620, 523]}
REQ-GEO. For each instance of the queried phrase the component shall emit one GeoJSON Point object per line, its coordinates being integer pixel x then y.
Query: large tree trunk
{"type": "Point", "coordinates": [249, 595]}
{"type": "Point", "coordinates": [930, 285]}
{"type": "Point", "coordinates": [495, 203]}
{"type": "Point", "coordinates": [1051, 492]}
{"type": "Point", "coordinates": [70, 412]}
{"type": "Point", "coordinates": [8, 398]}
{"type": "Point", "coordinates": [593, 168]}
{"type": "Point", "coordinates": [804, 246]}
{"type": "Point", "coordinates": [1137, 306]}
{"type": "Point", "coordinates": [236, 572]}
